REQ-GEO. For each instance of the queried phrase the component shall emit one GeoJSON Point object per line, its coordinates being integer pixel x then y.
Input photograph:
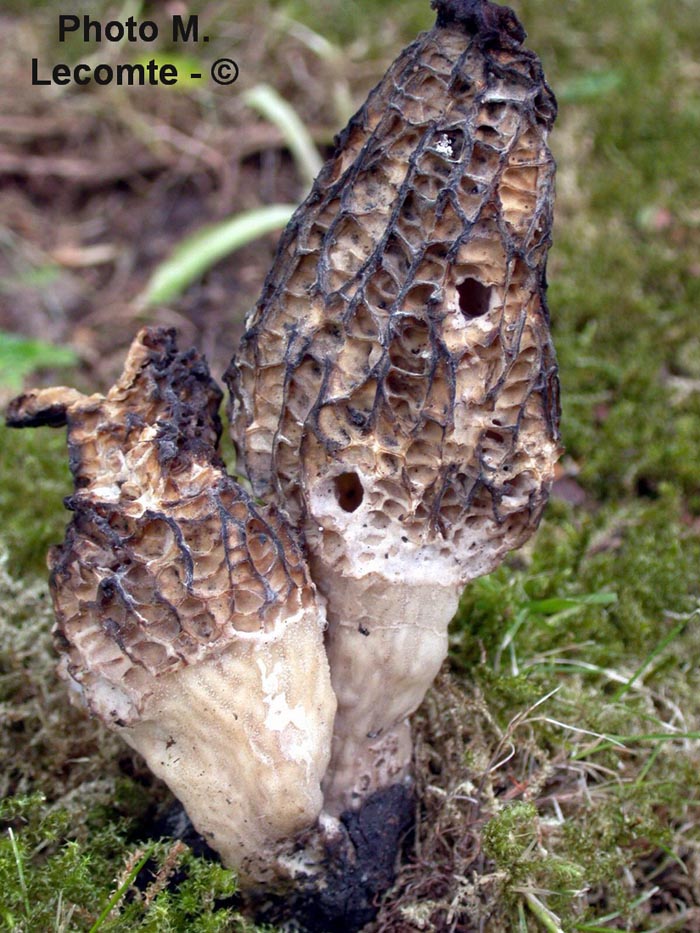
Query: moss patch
{"type": "Point", "coordinates": [34, 478]}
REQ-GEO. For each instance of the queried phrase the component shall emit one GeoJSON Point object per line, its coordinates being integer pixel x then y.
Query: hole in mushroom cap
{"type": "Point", "coordinates": [474, 298]}
{"type": "Point", "coordinates": [348, 491]}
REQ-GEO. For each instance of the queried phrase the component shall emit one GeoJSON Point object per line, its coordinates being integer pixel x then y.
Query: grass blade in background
{"type": "Point", "coordinates": [21, 356]}
{"type": "Point", "coordinates": [274, 108]}
{"type": "Point", "coordinates": [200, 251]}
{"type": "Point", "coordinates": [343, 103]}
{"type": "Point", "coordinates": [590, 86]}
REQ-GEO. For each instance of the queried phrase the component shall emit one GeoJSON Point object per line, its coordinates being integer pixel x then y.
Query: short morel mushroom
{"type": "Point", "coordinates": [396, 388]}
{"type": "Point", "coordinates": [184, 611]}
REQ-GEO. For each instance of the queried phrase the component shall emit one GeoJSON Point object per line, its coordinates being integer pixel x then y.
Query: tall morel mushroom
{"type": "Point", "coordinates": [185, 612]}
{"type": "Point", "coordinates": [396, 388]}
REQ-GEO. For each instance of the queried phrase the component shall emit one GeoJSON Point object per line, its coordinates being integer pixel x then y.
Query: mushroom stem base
{"type": "Point", "coordinates": [357, 865]}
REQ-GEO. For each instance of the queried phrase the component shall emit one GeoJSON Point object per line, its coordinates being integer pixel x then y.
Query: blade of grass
{"type": "Point", "coordinates": [521, 618]}
{"type": "Point", "coordinates": [522, 922]}
{"type": "Point", "coordinates": [608, 918]}
{"type": "Point", "coordinates": [664, 643]}
{"type": "Point", "coordinates": [570, 664]}
{"type": "Point", "coordinates": [545, 916]}
{"type": "Point", "coordinates": [655, 737]}
{"type": "Point", "coordinates": [197, 253]}
{"type": "Point", "coordinates": [274, 108]}
{"type": "Point", "coordinates": [121, 890]}
{"type": "Point", "coordinates": [673, 857]}
{"type": "Point", "coordinates": [341, 95]}
{"type": "Point", "coordinates": [648, 765]}
{"type": "Point", "coordinates": [554, 610]}
{"type": "Point", "coordinates": [611, 741]}
{"type": "Point", "coordinates": [558, 604]}
{"type": "Point", "coordinates": [20, 872]}
{"type": "Point", "coordinates": [313, 40]}
{"type": "Point", "coordinates": [564, 725]}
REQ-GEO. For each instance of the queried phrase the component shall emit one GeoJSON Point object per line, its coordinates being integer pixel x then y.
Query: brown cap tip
{"type": "Point", "coordinates": [492, 24]}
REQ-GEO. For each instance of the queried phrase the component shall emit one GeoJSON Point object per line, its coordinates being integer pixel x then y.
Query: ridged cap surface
{"type": "Point", "coordinates": [397, 384]}
{"type": "Point", "coordinates": [167, 561]}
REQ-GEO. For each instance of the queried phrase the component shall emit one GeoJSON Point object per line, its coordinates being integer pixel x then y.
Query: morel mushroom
{"type": "Point", "coordinates": [396, 389]}
{"type": "Point", "coordinates": [185, 613]}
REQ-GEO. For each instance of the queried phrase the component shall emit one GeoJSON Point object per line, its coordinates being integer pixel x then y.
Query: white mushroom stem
{"type": "Point", "coordinates": [385, 648]}
{"type": "Point", "coordinates": [239, 740]}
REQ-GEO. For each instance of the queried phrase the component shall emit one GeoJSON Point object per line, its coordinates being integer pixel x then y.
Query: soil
{"type": "Point", "coordinates": [98, 185]}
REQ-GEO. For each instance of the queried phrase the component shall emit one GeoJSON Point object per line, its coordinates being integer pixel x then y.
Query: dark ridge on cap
{"type": "Point", "coordinates": [19, 416]}
{"type": "Point", "coordinates": [492, 24]}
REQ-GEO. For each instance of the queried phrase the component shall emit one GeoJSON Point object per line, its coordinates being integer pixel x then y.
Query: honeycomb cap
{"type": "Point", "coordinates": [396, 388]}
{"type": "Point", "coordinates": [167, 561]}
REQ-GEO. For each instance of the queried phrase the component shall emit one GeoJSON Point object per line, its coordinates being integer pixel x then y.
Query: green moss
{"type": "Point", "coordinates": [34, 478]}
{"type": "Point", "coordinates": [599, 586]}
{"type": "Point", "coordinates": [624, 278]}
{"type": "Point", "coordinates": [508, 836]}
{"type": "Point", "coordinates": [574, 762]}
{"type": "Point", "coordinates": [50, 880]}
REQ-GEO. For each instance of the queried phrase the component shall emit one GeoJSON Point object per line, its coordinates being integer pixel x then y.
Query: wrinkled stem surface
{"type": "Point", "coordinates": [240, 742]}
{"type": "Point", "coordinates": [385, 644]}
